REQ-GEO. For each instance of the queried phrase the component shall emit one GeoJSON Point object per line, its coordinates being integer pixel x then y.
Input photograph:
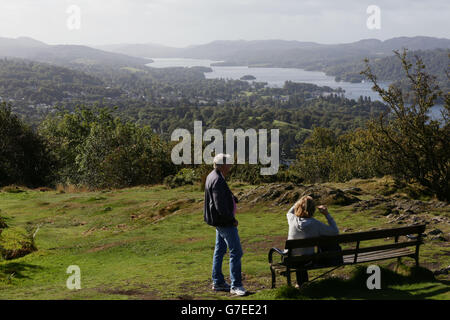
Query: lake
{"type": "Point", "coordinates": [275, 77]}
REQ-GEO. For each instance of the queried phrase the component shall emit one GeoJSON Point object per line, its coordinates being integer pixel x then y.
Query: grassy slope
{"type": "Point", "coordinates": [152, 243]}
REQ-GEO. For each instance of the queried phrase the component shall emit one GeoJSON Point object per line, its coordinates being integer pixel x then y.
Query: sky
{"type": "Point", "coordinates": [181, 23]}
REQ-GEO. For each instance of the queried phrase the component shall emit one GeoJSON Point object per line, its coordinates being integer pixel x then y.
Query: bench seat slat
{"type": "Point", "coordinates": [374, 256]}
{"type": "Point", "coordinates": [380, 252]}
{"type": "Point", "coordinates": [351, 252]}
{"type": "Point", "coordinates": [349, 259]}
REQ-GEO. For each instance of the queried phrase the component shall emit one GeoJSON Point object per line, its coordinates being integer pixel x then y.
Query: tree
{"type": "Point", "coordinates": [412, 145]}
{"type": "Point", "coordinates": [23, 156]}
{"type": "Point", "coordinates": [123, 155]}
{"type": "Point", "coordinates": [99, 151]}
{"type": "Point", "coordinates": [65, 132]}
{"type": "Point", "coordinates": [314, 158]}
{"type": "Point", "coordinates": [325, 157]}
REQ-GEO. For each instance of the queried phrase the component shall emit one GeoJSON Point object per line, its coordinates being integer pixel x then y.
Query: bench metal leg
{"type": "Point", "coordinates": [302, 277]}
{"type": "Point", "coordinates": [288, 277]}
{"type": "Point", "coordinates": [273, 277]}
{"type": "Point", "coordinates": [399, 262]}
{"type": "Point", "coordinates": [416, 256]}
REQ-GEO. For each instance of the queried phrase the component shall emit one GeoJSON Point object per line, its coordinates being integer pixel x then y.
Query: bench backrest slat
{"type": "Point", "coordinates": [354, 237]}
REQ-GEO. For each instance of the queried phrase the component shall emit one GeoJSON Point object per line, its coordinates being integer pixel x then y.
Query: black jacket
{"type": "Point", "coordinates": [218, 208]}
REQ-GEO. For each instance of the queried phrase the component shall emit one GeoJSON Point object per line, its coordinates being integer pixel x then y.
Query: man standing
{"type": "Point", "coordinates": [219, 211]}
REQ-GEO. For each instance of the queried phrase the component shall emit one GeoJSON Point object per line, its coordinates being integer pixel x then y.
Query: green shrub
{"type": "Point", "coordinates": [183, 177]}
{"type": "Point", "coordinates": [3, 224]}
{"type": "Point", "coordinates": [15, 243]}
{"type": "Point", "coordinates": [12, 189]}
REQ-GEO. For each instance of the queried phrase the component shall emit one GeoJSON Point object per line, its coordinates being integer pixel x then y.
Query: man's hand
{"type": "Point", "coordinates": [323, 210]}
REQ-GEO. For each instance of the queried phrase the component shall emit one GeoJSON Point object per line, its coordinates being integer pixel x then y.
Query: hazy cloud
{"type": "Point", "coordinates": [184, 22]}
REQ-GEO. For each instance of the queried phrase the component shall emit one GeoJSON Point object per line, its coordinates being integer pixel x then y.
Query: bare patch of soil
{"type": "Point", "coordinates": [140, 294]}
{"type": "Point", "coordinates": [114, 244]}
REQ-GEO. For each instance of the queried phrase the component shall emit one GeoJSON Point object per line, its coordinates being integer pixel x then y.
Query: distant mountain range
{"type": "Point", "coordinates": [281, 53]}
{"type": "Point", "coordinates": [344, 61]}
{"type": "Point", "coordinates": [66, 55]}
{"type": "Point", "coordinates": [270, 53]}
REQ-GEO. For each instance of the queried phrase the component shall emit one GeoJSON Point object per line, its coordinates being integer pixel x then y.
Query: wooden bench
{"type": "Point", "coordinates": [290, 263]}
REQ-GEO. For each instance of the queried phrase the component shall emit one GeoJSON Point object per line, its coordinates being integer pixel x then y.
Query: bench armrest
{"type": "Point", "coordinates": [272, 250]}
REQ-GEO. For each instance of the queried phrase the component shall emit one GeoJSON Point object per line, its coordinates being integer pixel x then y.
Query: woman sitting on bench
{"type": "Point", "coordinates": [302, 225]}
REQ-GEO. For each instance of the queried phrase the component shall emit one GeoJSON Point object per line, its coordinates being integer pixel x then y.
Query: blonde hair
{"type": "Point", "coordinates": [305, 207]}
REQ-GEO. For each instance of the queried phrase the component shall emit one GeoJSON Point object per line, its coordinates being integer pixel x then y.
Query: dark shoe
{"type": "Point", "coordinates": [221, 287]}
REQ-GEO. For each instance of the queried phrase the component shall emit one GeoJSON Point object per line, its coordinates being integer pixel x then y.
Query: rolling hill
{"type": "Point", "coordinates": [390, 68]}
{"type": "Point", "coordinates": [34, 82]}
{"type": "Point", "coordinates": [150, 242]}
{"type": "Point", "coordinates": [281, 53]}
{"type": "Point", "coordinates": [65, 55]}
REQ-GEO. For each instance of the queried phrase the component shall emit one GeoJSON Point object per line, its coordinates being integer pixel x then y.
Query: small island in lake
{"type": "Point", "coordinates": [248, 77]}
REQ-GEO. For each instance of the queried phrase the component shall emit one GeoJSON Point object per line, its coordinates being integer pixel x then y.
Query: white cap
{"type": "Point", "coordinates": [220, 159]}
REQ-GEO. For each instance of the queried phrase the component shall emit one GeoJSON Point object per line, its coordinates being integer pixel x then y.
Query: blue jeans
{"type": "Point", "coordinates": [227, 237]}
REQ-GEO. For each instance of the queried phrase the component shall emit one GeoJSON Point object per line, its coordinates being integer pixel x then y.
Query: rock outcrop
{"type": "Point", "coordinates": [288, 193]}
